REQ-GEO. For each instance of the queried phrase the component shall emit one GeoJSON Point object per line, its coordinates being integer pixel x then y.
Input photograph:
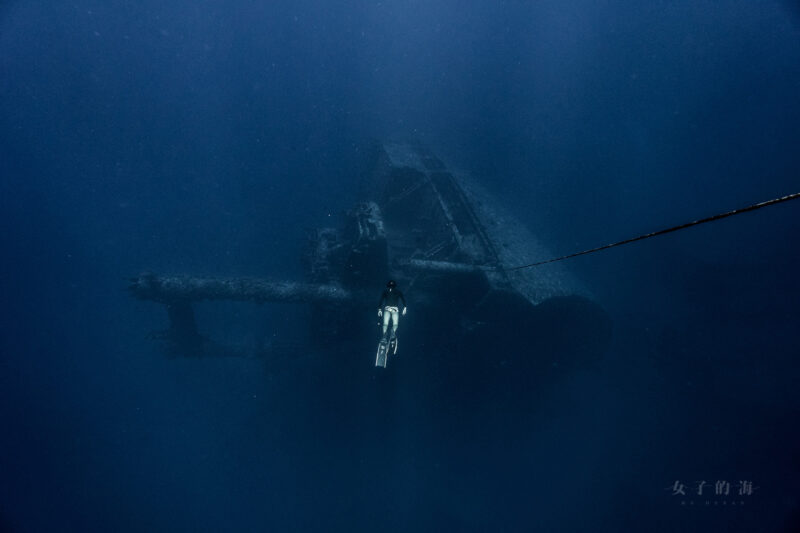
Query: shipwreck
{"type": "Point", "coordinates": [450, 247]}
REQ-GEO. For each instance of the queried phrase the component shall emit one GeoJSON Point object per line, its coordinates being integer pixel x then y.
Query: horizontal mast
{"type": "Point", "coordinates": [167, 289]}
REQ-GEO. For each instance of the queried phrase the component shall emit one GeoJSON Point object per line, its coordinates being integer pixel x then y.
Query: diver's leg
{"type": "Point", "coordinates": [395, 319]}
{"type": "Point", "coordinates": [385, 322]}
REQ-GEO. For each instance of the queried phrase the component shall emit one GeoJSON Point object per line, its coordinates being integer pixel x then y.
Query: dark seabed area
{"type": "Point", "coordinates": [209, 137]}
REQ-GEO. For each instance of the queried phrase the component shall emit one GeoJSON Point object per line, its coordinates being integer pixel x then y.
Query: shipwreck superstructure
{"type": "Point", "coordinates": [445, 241]}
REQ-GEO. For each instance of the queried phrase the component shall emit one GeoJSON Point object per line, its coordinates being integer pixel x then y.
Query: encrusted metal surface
{"type": "Point", "coordinates": [482, 235]}
{"type": "Point", "coordinates": [169, 289]}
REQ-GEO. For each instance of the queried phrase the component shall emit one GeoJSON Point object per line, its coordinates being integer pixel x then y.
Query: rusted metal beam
{"type": "Point", "coordinates": [442, 266]}
{"type": "Point", "coordinates": [170, 289]}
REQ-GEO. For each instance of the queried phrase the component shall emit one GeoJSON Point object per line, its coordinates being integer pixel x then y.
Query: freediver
{"type": "Point", "coordinates": [389, 308]}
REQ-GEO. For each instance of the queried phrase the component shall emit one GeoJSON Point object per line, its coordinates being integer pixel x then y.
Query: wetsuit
{"type": "Point", "coordinates": [390, 305]}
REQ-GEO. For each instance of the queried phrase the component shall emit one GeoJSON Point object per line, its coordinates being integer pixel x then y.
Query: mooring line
{"type": "Point", "coordinates": [660, 232]}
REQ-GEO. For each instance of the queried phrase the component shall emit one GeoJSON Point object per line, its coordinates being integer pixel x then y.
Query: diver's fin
{"type": "Point", "coordinates": [380, 359]}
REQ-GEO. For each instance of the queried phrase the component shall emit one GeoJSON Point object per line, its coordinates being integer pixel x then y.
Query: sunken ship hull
{"type": "Point", "coordinates": [450, 248]}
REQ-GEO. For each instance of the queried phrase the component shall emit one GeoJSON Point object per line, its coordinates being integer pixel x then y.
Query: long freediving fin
{"type": "Point", "coordinates": [380, 358]}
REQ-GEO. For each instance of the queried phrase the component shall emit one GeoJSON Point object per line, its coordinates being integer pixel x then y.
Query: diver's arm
{"type": "Point", "coordinates": [402, 299]}
{"type": "Point", "coordinates": [381, 302]}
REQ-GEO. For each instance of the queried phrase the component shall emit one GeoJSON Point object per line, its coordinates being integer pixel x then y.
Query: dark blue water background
{"type": "Point", "coordinates": [207, 137]}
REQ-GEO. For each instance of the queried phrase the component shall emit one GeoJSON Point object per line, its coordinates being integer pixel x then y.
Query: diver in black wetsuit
{"type": "Point", "coordinates": [389, 307]}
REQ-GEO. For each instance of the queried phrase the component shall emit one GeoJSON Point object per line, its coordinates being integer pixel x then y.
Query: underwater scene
{"type": "Point", "coordinates": [393, 266]}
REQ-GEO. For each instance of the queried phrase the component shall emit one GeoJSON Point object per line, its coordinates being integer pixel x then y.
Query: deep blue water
{"type": "Point", "coordinates": [208, 136]}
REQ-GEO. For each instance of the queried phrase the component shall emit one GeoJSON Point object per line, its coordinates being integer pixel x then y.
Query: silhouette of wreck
{"type": "Point", "coordinates": [447, 243]}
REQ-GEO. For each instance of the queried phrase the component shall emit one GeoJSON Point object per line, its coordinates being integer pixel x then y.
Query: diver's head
{"type": "Point", "coordinates": [391, 284]}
